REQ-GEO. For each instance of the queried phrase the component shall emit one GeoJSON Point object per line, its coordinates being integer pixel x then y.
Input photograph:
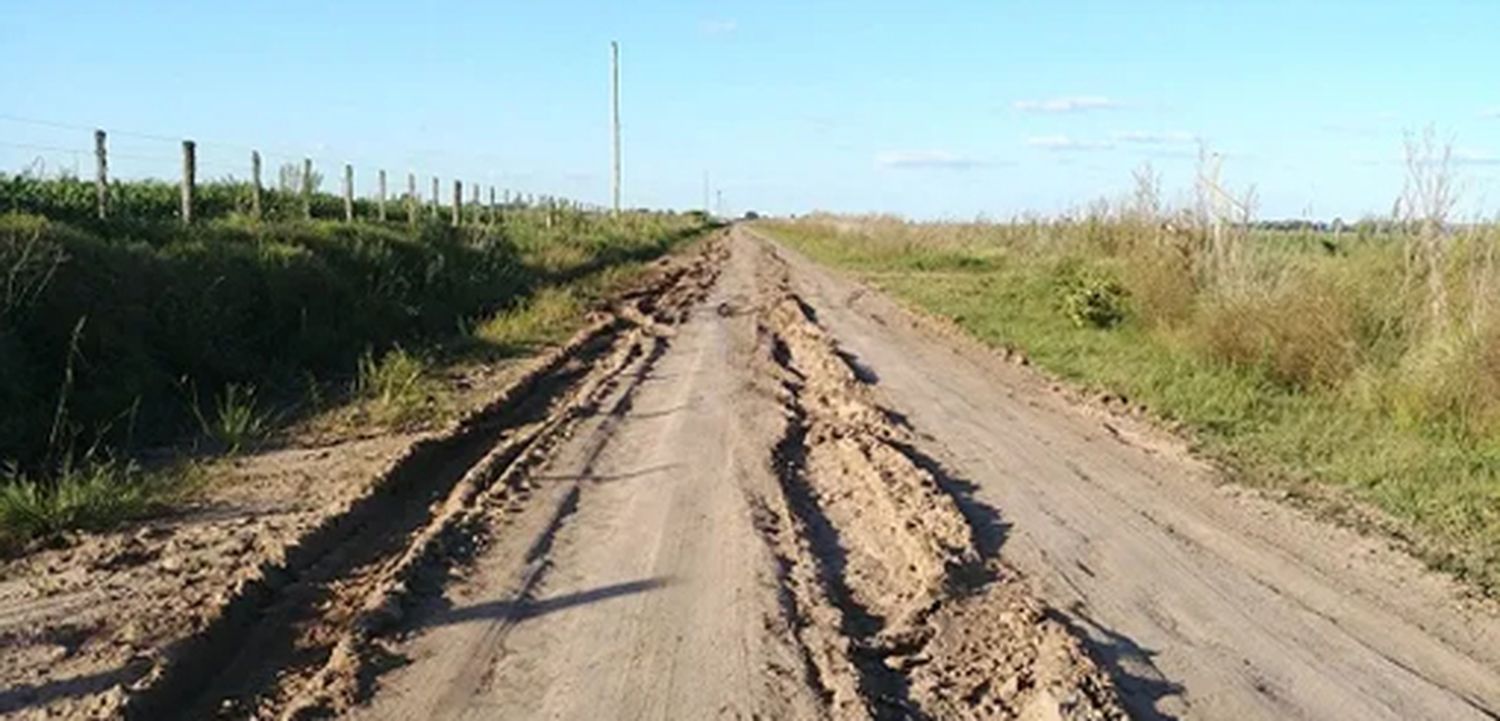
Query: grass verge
{"type": "Point", "coordinates": [1304, 381]}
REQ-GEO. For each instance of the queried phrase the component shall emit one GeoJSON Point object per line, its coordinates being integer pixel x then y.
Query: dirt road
{"type": "Point", "coordinates": [755, 489]}
{"type": "Point", "coordinates": [684, 578]}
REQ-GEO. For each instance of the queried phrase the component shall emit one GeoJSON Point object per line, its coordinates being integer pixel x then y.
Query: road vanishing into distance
{"type": "Point", "coordinates": [757, 489]}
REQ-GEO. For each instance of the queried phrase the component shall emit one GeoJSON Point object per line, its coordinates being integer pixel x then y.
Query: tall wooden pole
{"type": "Point", "coordinates": [614, 57]}
{"type": "Point", "coordinates": [101, 178]}
{"type": "Point", "coordinates": [411, 199]}
{"type": "Point", "coordinates": [380, 209]}
{"type": "Point", "coordinates": [307, 188]}
{"type": "Point", "coordinates": [255, 184]}
{"type": "Point", "coordinates": [458, 201]}
{"type": "Point", "coordinates": [189, 178]}
{"type": "Point", "coordinates": [348, 193]}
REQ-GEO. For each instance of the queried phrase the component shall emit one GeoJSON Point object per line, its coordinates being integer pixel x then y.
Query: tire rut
{"type": "Point", "coordinates": [296, 640]}
{"type": "Point", "coordinates": [900, 607]}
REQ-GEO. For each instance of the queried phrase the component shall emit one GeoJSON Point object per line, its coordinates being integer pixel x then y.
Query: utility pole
{"type": "Point", "coordinates": [614, 58]}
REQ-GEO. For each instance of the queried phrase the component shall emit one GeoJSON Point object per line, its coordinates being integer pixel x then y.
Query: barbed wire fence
{"type": "Point", "coordinates": [109, 156]}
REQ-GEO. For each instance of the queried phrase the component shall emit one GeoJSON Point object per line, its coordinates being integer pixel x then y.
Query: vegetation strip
{"type": "Point", "coordinates": [1298, 359]}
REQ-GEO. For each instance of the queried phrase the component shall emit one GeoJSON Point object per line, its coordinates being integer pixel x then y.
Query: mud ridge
{"type": "Point", "coordinates": [898, 602]}
{"type": "Point", "coordinates": [294, 639]}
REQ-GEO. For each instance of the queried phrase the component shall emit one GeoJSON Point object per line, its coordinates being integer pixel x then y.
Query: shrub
{"type": "Point", "coordinates": [1091, 298]}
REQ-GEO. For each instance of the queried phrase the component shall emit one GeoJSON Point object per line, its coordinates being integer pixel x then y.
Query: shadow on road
{"type": "Point", "coordinates": [522, 609]}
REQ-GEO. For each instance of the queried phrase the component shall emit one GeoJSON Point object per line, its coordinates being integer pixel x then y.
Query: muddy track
{"type": "Point", "coordinates": [297, 640]}
{"type": "Point", "coordinates": [752, 489]}
{"type": "Point", "coordinates": [905, 616]}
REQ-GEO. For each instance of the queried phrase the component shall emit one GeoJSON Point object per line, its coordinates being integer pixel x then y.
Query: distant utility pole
{"type": "Point", "coordinates": [614, 63]}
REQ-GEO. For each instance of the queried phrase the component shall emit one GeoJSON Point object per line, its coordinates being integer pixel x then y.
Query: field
{"type": "Point", "coordinates": [1303, 360]}
{"type": "Point", "coordinates": [125, 336]}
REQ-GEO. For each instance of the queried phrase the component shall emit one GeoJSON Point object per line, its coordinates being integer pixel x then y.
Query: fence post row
{"type": "Point", "coordinates": [380, 206]}
{"type": "Point", "coordinates": [101, 177]}
{"type": "Point", "coordinates": [458, 201]}
{"type": "Point", "coordinates": [348, 193]}
{"type": "Point", "coordinates": [189, 178]}
{"type": "Point", "coordinates": [307, 188]}
{"type": "Point", "coordinates": [255, 184]}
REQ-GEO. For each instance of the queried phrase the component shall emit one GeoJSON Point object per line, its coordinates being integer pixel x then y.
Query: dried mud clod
{"type": "Point", "coordinates": [899, 613]}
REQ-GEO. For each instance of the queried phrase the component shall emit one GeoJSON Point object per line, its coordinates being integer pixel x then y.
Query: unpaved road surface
{"type": "Point", "coordinates": [755, 489]}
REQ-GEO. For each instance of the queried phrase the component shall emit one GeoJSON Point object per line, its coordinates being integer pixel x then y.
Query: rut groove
{"type": "Point", "coordinates": [294, 641]}
{"type": "Point", "coordinates": [903, 610]}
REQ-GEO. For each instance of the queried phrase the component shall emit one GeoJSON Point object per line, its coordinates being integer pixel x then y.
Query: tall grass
{"type": "Point", "coordinates": [1366, 358]}
{"type": "Point", "coordinates": [135, 331]}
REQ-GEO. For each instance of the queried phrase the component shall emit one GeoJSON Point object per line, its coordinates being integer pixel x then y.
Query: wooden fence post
{"type": "Point", "coordinates": [458, 201]}
{"type": "Point", "coordinates": [307, 188]}
{"type": "Point", "coordinates": [255, 184]}
{"type": "Point", "coordinates": [411, 199]}
{"type": "Point", "coordinates": [101, 179]}
{"type": "Point", "coordinates": [380, 208]}
{"type": "Point", "coordinates": [189, 177]}
{"type": "Point", "coordinates": [348, 193]}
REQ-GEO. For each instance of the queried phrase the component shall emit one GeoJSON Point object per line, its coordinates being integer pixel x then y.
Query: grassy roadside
{"type": "Point", "coordinates": [118, 340]}
{"type": "Point", "coordinates": [1306, 379]}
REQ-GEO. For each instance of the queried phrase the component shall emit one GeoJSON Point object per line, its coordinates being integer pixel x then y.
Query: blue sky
{"type": "Point", "coordinates": [925, 109]}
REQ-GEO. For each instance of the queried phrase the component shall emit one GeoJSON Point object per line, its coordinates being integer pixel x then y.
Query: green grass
{"type": "Point", "coordinates": [91, 495]}
{"type": "Point", "coordinates": [1289, 387]}
{"type": "Point", "coordinates": [139, 332]}
{"type": "Point", "coordinates": [396, 388]}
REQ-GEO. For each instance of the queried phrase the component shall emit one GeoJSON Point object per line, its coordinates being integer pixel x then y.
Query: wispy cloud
{"type": "Point", "coordinates": [1067, 104]}
{"type": "Point", "coordinates": [1139, 137]}
{"type": "Point", "coordinates": [1064, 143]}
{"type": "Point", "coordinates": [928, 159]}
{"type": "Point", "coordinates": [719, 26]}
{"type": "Point", "coordinates": [1474, 157]}
{"type": "Point", "coordinates": [1490, 112]}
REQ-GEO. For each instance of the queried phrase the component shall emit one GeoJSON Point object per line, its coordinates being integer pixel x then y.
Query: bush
{"type": "Point", "coordinates": [1091, 298]}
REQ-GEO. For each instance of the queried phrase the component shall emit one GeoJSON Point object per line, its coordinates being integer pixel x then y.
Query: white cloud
{"type": "Point", "coordinates": [1136, 137]}
{"type": "Point", "coordinates": [1066, 143]}
{"type": "Point", "coordinates": [941, 159]}
{"type": "Point", "coordinates": [1069, 104]}
{"type": "Point", "coordinates": [719, 27]}
{"type": "Point", "coordinates": [1474, 156]}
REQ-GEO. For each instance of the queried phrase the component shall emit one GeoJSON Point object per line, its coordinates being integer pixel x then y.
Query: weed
{"type": "Point", "coordinates": [395, 388]}
{"type": "Point", "coordinates": [91, 495]}
{"type": "Point", "coordinates": [238, 422]}
{"type": "Point", "coordinates": [547, 317]}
